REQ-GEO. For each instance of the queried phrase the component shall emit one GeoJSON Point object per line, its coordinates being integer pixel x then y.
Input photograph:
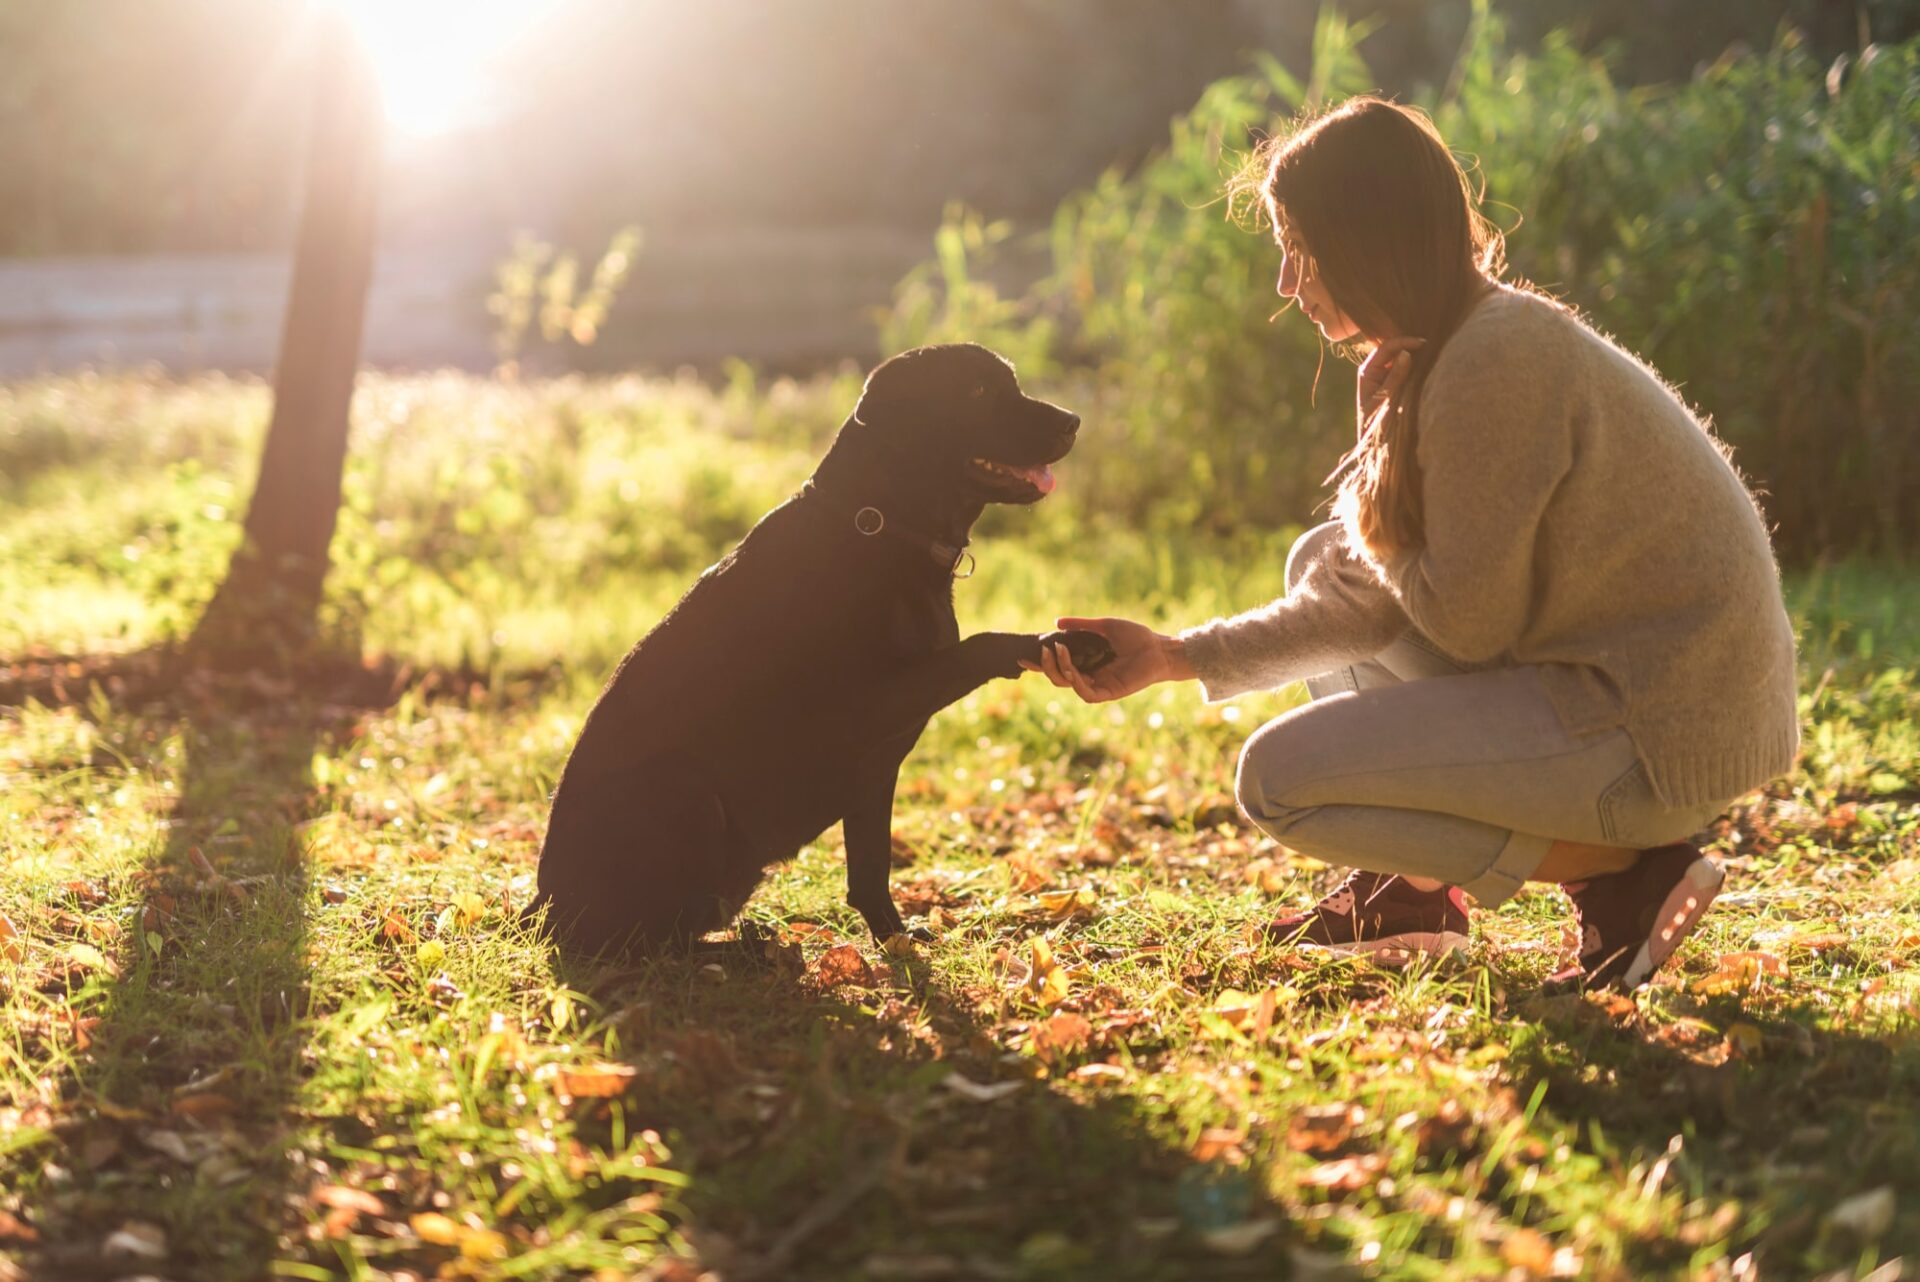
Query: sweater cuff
{"type": "Point", "coordinates": [1221, 676]}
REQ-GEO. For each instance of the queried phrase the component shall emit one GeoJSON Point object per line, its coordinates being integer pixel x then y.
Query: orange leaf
{"type": "Point", "coordinates": [436, 1228]}
{"type": "Point", "coordinates": [597, 1081]}
{"type": "Point", "coordinates": [1529, 1252]}
{"type": "Point", "coordinates": [1220, 1143]}
{"type": "Point", "coordinates": [10, 946]}
{"type": "Point", "coordinates": [203, 1106]}
{"type": "Point", "coordinates": [344, 1198]}
{"type": "Point", "coordinates": [1346, 1174]}
{"type": "Point", "coordinates": [1060, 1034]}
{"type": "Point", "coordinates": [1740, 972]}
{"type": "Point", "coordinates": [1323, 1128]}
{"type": "Point", "coordinates": [842, 964]}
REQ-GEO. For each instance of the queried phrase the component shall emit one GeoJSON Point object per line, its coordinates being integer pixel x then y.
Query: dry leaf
{"type": "Point", "coordinates": [137, 1238]}
{"type": "Point", "coordinates": [1045, 979]}
{"type": "Point", "coordinates": [1346, 1174]}
{"type": "Point", "coordinates": [1447, 1131]}
{"type": "Point", "coordinates": [14, 1229]}
{"type": "Point", "coordinates": [979, 1092]}
{"type": "Point", "coordinates": [1220, 1144]}
{"type": "Point", "coordinates": [1059, 1034]}
{"type": "Point", "coordinates": [203, 1106]}
{"type": "Point", "coordinates": [842, 964]}
{"type": "Point", "coordinates": [436, 1228]}
{"type": "Point", "coordinates": [1063, 905]}
{"type": "Point", "coordinates": [12, 947]}
{"type": "Point", "coordinates": [1866, 1217]}
{"type": "Point", "coordinates": [1529, 1252]}
{"type": "Point", "coordinates": [597, 1081]}
{"type": "Point", "coordinates": [1323, 1128]}
{"type": "Point", "coordinates": [1100, 1072]}
{"type": "Point", "coordinates": [1740, 972]}
{"type": "Point", "coordinates": [341, 1197]}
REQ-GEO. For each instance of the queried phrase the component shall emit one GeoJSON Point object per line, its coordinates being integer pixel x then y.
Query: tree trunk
{"type": "Point", "coordinates": [265, 610]}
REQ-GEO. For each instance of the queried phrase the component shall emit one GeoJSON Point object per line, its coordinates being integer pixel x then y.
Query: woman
{"type": "Point", "coordinates": [1544, 636]}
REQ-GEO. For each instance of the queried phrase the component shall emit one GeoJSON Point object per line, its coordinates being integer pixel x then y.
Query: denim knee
{"type": "Point", "coordinates": [1268, 769]}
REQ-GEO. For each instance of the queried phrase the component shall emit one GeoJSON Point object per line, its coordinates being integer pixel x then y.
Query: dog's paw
{"type": "Point", "coordinates": [1089, 651]}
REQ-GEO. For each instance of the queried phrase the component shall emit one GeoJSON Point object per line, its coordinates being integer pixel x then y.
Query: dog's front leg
{"type": "Point", "coordinates": [868, 828]}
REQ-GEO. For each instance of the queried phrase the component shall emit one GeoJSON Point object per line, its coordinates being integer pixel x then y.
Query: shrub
{"type": "Point", "coordinates": [1754, 233]}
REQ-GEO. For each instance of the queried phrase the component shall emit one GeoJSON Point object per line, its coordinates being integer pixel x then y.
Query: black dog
{"type": "Point", "coordinates": [783, 691]}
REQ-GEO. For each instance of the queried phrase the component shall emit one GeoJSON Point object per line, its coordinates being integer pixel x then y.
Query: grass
{"type": "Point", "coordinates": [263, 1011]}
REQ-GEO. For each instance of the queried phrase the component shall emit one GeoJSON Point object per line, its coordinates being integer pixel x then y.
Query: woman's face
{"type": "Point", "coordinates": [1302, 284]}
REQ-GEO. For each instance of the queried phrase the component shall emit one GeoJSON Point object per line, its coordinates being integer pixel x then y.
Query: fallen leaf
{"type": "Point", "coordinates": [204, 1105]}
{"type": "Point", "coordinates": [87, 957]}
{"type": "Point", "coordinates": [11, 946]}
{"type": "Point", "coordinates": [1220, 1144]}
{"type": "Point", "coordinates": [1346, 1174]}
{"type": "Point", "coordinates": [842, 964]}
{"type": "Point", "coordinates": [979, 1092]}
{"type": "Point", "coordinates": [1447, 1131]}
{"type": "Point", "coordinates": [137, 1238]}
{"type": "Point", "coordinates": [341, 1197]}
{"type": "Point", "coordinates": [1323, 1128]}
{"type": "Point", "coordinates": [435, 1228]}
{"type": "Point", "coordinates": [1059, 1035]}
{"type": "Point", "coordinates": [1045, 979]}
{"type": "Point", "coordinates": [1740, 972]}
{"type": "Point", "coordinates": [1865, 1217]}
{"type": "Point", "coordinates": [1528, 1251]}
{"type": "Point", "coordinates": [1063, 905]}
{"type": "Point", "coordinates": [597, 1081]}
{"type": "Point", "coordinates": [1744, 1040]}
{"type": "Point", "coordinates": [14, 1229]}
{"type": "Point", "coordinates": [1100, 1072]}
{"type": "Point", "coordinates": [1238, 1239]}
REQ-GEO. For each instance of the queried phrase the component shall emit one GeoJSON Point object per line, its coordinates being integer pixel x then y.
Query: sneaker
{"type": "Point", "coordinates": [1632, 921]}
{"type": "Point", "coordinates": [1379, 914]}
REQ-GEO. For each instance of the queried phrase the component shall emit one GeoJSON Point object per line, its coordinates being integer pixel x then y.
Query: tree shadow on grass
{"type": "Point", "coordinates": [1775, 1109]}
{"type": "Point", "coordinates": [825, 1138]}
{"type": "Point", "coordinates": [174, 1114]}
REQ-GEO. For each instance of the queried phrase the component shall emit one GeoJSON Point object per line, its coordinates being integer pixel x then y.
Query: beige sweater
{"type": "Point", "coordinates": [1578, 517]}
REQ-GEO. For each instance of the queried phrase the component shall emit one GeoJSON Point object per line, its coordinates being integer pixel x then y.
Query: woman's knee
{"type": "Point", "coordinates": [1272, 766]}
{"type": "Point", "coordinates": [1308, 548]}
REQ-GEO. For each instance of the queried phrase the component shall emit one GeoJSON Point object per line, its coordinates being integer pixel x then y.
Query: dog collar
{"type": "Point", "coordinates": [870, 522]}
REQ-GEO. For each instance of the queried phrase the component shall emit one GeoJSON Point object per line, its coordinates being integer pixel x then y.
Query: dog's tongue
{"type": "Point", "coordinates": [1041, 478]}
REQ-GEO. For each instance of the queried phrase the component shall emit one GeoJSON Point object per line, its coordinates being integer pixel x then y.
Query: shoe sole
{"type": "Point", "coordinates": [1680, 912]}
{"type": "Point", "coordinates": [1396, 949]}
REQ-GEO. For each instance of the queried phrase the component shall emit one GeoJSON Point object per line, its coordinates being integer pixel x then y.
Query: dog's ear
{"type": "Point", "coordinates": [885, 397]}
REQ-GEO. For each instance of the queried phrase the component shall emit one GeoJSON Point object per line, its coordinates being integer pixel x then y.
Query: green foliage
{"type": "Point", "coordinates": [261, 987]}
{"type": "Point", "coordinates": [533, 283]}
{"type": "Point", "coordinates": [1755, 234]}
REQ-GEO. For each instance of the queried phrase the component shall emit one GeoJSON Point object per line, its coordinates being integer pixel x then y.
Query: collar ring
{"type": "Point", "coordinates": [869, 521]}
{"type": "Point", "coordinates": [972, 565]}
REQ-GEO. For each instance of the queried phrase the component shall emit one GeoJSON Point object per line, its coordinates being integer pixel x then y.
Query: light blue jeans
{"type": "Point", "coordinates": [1413, 763]}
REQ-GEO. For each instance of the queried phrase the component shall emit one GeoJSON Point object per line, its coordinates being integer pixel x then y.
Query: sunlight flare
{"type": "Point", "coordinates": [440, 62]}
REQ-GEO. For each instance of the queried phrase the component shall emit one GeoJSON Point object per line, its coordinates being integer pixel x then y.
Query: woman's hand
{"type": "Point", "coordinates": [1384, 373]}
{"type": "Point", "coordinates": [1141, 657]}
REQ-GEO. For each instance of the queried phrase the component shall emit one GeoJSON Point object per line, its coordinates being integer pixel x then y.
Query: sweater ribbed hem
{"type": "Point", "coordinates": [1691, 777]}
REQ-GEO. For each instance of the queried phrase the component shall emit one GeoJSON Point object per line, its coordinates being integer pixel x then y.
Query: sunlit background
{"type": "Point", "coordinates": [786, 164]}
{"type": "Point", "coordinates": [442, 64]}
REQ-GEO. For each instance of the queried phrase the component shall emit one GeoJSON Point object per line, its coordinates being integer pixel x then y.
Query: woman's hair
{"type": "Point", "coordinates": [1386, 219]}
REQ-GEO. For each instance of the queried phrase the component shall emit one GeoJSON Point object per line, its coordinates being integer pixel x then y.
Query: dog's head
{"type": "Point", "coordinates": [953, 416]}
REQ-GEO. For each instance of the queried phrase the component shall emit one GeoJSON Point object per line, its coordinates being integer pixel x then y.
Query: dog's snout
{"type": "Point", "coordinates": [1072, 424]}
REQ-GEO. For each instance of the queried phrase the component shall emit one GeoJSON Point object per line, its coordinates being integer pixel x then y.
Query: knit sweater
{"type": "Point", "coordinates": [1578, 517]}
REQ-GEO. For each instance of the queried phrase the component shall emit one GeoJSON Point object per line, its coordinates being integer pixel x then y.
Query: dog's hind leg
{"type": "Point", "coordinates": [651, 868]}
